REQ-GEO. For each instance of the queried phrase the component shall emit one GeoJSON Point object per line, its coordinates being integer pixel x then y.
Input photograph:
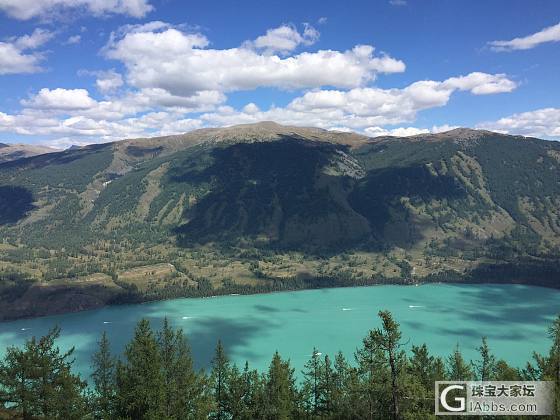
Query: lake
{"type": "Point", "coordinates": [513, 317]}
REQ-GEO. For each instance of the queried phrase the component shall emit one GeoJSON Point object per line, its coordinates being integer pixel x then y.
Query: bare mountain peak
{"type": "Point", "coordinates": [463, 133]}
{"type": "Point", "coordinates": [11, 151]}
{"type": "Point", "coordinates": [250, 133]}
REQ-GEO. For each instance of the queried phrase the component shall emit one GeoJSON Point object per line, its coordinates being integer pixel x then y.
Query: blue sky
{"type": "Point", "coordinates": [89, 71]}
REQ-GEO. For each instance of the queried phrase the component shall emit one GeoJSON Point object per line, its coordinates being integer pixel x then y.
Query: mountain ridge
{"type": "Point", "coordinates": [14, 151]}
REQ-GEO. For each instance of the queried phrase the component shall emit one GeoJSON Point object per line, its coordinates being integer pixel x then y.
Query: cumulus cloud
{"type": "Point", "coordinates": [538, 123]}
{"type": "Point", "coordinates": [162, 57]}
{"type": "Point", "coordinates": [173, 81]}
{"type": "Point", "coordinates": [60, 99]}
{"type": "Point", "coordinates": [399, 131]}
{"type": "Point", "coordinates": [550, 34]}
{"type": "Point", "coordinates": [17, 55]}
{"type": "Point", "coordinates": [364, 107]}
{"type": "Point", "coordinates": [482, 83]}
{"type": "Point", "coordinates": [73, 113]}
{"type": "Point", "coordinates": [284, 39]}
{"type": "Point", "coordinates": [28, 9]}
{"type": "Point", "coordinates": [108, 81]}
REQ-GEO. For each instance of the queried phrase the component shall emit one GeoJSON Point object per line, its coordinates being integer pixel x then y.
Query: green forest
{"type": "Point", "coordinates": [155, 378]}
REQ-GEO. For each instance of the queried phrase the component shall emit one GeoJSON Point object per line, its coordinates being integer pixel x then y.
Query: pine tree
{"type": "Point", "coordinates": [423, 371]}
{"type": "Point", "coordinates": [387, 340]}
{"type": "Point", "coordinates": [219, 380]}
{"type": "Point", "coordinates": [184, 390]}
{"type": "Point", "coordinates": [37, 381]}
{"type": "Point", "coordinates": [312, 383]}
{"type": "Point", "coordinates": [372, 374]}
{"type": "Point", "coordinates": [485, 367]}
{"type": "Point", "coordinates": [505, 372]}
{"type": "Point", "coordinates": [457, 368]}
{"type": "Point", "coordinates": [281, 394]}
{"type": "Point", "coordinates": [553, 368]}
{"type": "Point", "coordinates": [345, 387]}
{"type": "Point", "coordinates": [328, 388]}
{"type": "Point", "coordinates": [140, 383]}
{"type": "Point", "coordinates": [104, 379]}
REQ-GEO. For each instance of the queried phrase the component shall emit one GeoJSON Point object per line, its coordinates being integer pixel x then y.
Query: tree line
{"type": "Point", "coordinates": [155, 378]}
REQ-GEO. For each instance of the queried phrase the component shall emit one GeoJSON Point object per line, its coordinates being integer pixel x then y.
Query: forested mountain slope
{"type": "Point", "coordinates": [264, 207]}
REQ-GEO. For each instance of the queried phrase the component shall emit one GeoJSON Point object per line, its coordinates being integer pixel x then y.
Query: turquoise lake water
{"type": "Point", "coordinates": [514, 318]}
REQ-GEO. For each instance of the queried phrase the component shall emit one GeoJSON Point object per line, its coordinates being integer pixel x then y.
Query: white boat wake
{"type": "Point", "coordinates": [187, 317]}
{"type": "Point", "coordinates": [347, 309]}
{"type": "Point", "coordinates": [107, 322]}
{"type": "Point", "coordinates": [415, 306]}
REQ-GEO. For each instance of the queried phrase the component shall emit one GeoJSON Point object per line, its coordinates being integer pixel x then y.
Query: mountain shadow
{"type": "Point", "coordinates": [377, 196]}
{"type": "Point", "coordinates": [266, 189]}
{"type": "Point", "coordinates": [279, 194]}
{"type": "Point", "coordinates": [15, 203]}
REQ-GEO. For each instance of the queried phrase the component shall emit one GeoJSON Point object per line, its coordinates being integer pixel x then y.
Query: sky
{"type": "Point", "coordinates": [75, 72]}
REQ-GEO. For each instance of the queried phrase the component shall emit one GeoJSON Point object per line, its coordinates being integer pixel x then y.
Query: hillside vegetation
{"type": "Point", "coordinates": [266, 207]}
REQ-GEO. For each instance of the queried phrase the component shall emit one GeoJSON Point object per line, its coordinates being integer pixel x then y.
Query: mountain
{"type": "Point", "coordinates": [264, 207]}
{"type": "Point", "coordinates": [10, 152]}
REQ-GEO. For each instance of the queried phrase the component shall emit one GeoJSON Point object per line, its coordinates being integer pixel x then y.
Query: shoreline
{"type": "Point", "coordinates": [287, 290]}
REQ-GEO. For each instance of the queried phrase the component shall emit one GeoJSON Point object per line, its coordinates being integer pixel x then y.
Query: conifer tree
{"type": "Point", "coordinates": [219, 380]}
{"type": "Point", "coordinates": [140, 382]}
{"type": "Point", "coordinates": [345, 386]}
{"type": "Point", "coordinates": [104, 379]}
{"type": "Point", "coordinates": [184, 390]}
{"type": "Point", "coordinates": [457, 368]}
{"type": "Point", "coordinates": [373, 373]}
{"type": "Point", "coordinates": [387, 340]}
{"type": "Point", "coordinates": [485, 367]}
{"type": "Point", "coordinates": [312, 392]}
{"type": "Point", "coordinates": [37, 381]}
{"type": "Point", "coordinates": [328, 387]}
{"type": "Point", "coordinates": [281, 394]}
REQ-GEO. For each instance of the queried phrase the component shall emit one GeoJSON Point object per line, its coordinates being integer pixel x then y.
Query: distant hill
{"type": "Point", "coordinates": [10, 152]}
{"type": "Point", "coordinates": [266, 207]}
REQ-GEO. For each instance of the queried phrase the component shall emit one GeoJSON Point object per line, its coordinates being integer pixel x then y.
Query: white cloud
{"type": "Point", "coordinates": [399, 132]}
{"type": "Point", "coordinates": [166, 58]}
{"type": "Point", "coordinates": [284, 39]}
{"type": "Point", "coordinates": [443, 128]}
{"type": "Point", "coordinates": [108, 81]}
{"type": "Point", "coordinates": [482, 83]}
{"type": "Point", "coordinates": [539, 123]}
{"type": "Point", "coordinates": [73, 116]}
{"type": "Point", "coordinates": [550, 34]}
{"type": "Point", "coordinates": [73, 40]}
{"type": "Point", "coordinates": [169, 75]}
{"type": "Point", "coordinates": [28, 9]}
{"type": "Point", "coordinates": [369, 106]}
{"type": "Point", "coordinates": [15, 54]}
{"type": "Point", "coordinates": [60, 99]}
{"type": "Point", "coordinates": [33, 41]}
{"type": "Point", "coordinates": [13, 60]}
